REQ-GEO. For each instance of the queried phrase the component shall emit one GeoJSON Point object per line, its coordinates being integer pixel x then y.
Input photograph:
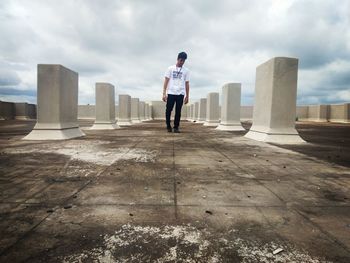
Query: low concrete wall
{"type": "Point", "coordinates": [318, 113]}
{"type": "Point", "coordinates": [7, 110]}
{"type": "Point", "coordinates": [86, 112]}
{"type": "Point", "coordinates": [246, 113]}
{"type": "Point", "coordinates": [158, 111]}
{"type": "Point", "coordinates": [339, 113]}
{"type": "Point", "coordinates": [302, 113]}
{"type": "Point", "coordinates": [32, 111]}
{"type": "Point", "coordinates": [21, 111]}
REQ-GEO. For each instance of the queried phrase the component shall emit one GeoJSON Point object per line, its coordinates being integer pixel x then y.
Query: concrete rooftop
{"type": "Point", "coordinates": [140, 194]}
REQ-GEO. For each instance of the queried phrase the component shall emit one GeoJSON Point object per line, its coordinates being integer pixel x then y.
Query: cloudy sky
{"type": "Point", "coordinates": [131, 43]}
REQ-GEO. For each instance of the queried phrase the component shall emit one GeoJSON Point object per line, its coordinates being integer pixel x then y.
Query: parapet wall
{"type": "Point", "coordinates": [319, 113]}
{"type": "Point", "coordinates": [86, 112]}
{"type": "Point", "coordinates": [324, 113]}
{"type": "Point", "coordinates": [17, 110]}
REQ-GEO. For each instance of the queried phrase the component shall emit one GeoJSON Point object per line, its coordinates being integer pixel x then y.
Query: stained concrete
{"type": "Point", "coordinates": [141, 194]}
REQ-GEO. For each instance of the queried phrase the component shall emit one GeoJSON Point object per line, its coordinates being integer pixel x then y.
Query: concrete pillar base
{"type": "Point", "coordinates": [23, 118]}
{"type": "Point", "coordinates": [211, 124]}
{"type": "Point", "coordinates": [275, 137]}
{"type": "Point", "coordinates": [105, 126]}
{"type": "Point", "coordinates": [124, 123]}
{"type": "Point", "coordinates": [63, 134]}
{"type": "Point", "coordinates": [230, 127]}
{"type": "Point", "coordinates": [135, 121]}
{"type": "Point", "coordinates": [201, 122]}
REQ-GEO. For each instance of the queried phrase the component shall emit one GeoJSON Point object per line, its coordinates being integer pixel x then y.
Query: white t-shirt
{"type": "Point", "coordinates": [177, 78]}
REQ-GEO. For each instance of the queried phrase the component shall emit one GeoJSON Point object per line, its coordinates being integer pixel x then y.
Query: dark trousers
{"type": "Point", "coordinates": [172, 99]}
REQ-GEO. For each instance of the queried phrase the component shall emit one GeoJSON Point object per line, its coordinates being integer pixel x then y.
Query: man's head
{"type": "Point", "coordinates": [181, 57]}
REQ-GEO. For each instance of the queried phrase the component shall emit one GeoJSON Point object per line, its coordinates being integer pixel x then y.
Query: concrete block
{"type": "Point", "coordinates": [57, 104]}
{"type": "Point", "coordinates": [124, 110]}
{"type": "Point", "coordinates": [150, 112]}
{"type": "Point", "coordinates": [142, 110]}
{"type": "Point", "coordinates": [230, 109]}
{"type": "Point", "coordinates": [135, 110]}
{"type": "Point", "coordinates": [191, 112]}
{"type": "Point", "coordinates": [7, 110]}
{"type": "Point", "coordinates": [275, 102]}
{"type": "Point", "coordinates": [212, 114]}
{"type": "Point", "coordinates": [147, 113]}
{"type": "Point", "coordinates": [105, 107]}
{"type": "Point", "coordinates": [202, 110]}
{"type": "Point", "coordinates": [188, 112]}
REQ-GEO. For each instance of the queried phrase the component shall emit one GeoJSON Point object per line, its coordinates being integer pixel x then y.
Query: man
{"type": "Point", "coordinates": [176, 90]}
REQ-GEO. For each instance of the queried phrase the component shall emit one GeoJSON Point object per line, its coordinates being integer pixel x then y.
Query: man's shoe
{"type": "Point", "coordinates": [176, 130]}
{"type": "Point", "coordinates": [169, 129]}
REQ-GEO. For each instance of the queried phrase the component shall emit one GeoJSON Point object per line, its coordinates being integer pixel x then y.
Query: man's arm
{"type": "Point", "coordinates": [165, 86]}
{"type": "Point", "coordinates": [187, 92]}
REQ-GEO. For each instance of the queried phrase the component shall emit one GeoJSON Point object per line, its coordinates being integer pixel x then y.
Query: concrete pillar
{"type": "Point", "coordinates": [275, 102]}
{"type": "Point", "coordinates": [105, 107]}
{"type": "Point", "coordinates": [212, 114]}
{"type": "Point", "coordinates": [188, 112]}
{"type": "Point", "coordinates": [230, 109]}
{"type": "Point", "coordinates": [124, 110]}
{"type": "Point", "coordinates": [135, 114]}
{"type": "Point", "coordinates": [195, 111]}
{"type": "Point", "coordinates": [192, 112]}
{"type": "Point", "coordinates": [57, 110]}
{"type": "Point", "coordinates": [150, 111]}
{"type": "Point", "coordinates": [142, 110]}
{"type": "Point", "coordinates": [202, 110]}
{"type": "Point", "coordinates": [147, 118]}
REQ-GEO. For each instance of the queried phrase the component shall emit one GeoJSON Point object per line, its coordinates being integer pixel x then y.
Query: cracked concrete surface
{"type": "Point", "coordinates": [140, 194]}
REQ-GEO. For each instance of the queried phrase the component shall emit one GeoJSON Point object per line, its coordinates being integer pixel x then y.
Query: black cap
{"type": "Point", "coordinates": [182, 55]}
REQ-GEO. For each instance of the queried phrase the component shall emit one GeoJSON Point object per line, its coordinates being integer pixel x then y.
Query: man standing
{"type": "Point", "coordinates": [176, 90]}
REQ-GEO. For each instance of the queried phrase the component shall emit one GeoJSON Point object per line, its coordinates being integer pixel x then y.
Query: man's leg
{"type": "Point", "coordinates": [169, 107]}
{"type": "Point", "coordinates": [179, 102]}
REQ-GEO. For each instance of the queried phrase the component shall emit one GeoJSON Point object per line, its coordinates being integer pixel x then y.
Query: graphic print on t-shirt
{"type": "Point", "coordinates": [177, 75]}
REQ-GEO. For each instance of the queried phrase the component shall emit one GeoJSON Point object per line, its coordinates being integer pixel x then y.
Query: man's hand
{"type": "Point", "coordinates": [165, 97]}
{"type": "Point", "coordinates": [186, 100]}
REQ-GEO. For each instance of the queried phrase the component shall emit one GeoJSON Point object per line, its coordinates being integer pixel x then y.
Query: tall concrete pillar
{"type": "Point", "coordinates": [188, 110]}
{"type": "Point", "coordinates": [231, 107]}
{"type": "Point", "coordinates": [195, 111]}
{"type": "Point", "coordinates": [135, 117]}
{"type": "Point", "coordinates": [275, 102]}
{"type": "Point", "coordinates": [192, 112]}
{"type": "Point", "coordinates": [124, 110]}
{"type": "Point", "coordinates": [212, 114]}
{"type": "Point", "coordinates": [105, 107]}
{"type": "Point", "coordinates": [142, 111]}
{"type": "Point", "coordinates": [202, 110]}
{"type": "Point", "coordinates": [57, 97]}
